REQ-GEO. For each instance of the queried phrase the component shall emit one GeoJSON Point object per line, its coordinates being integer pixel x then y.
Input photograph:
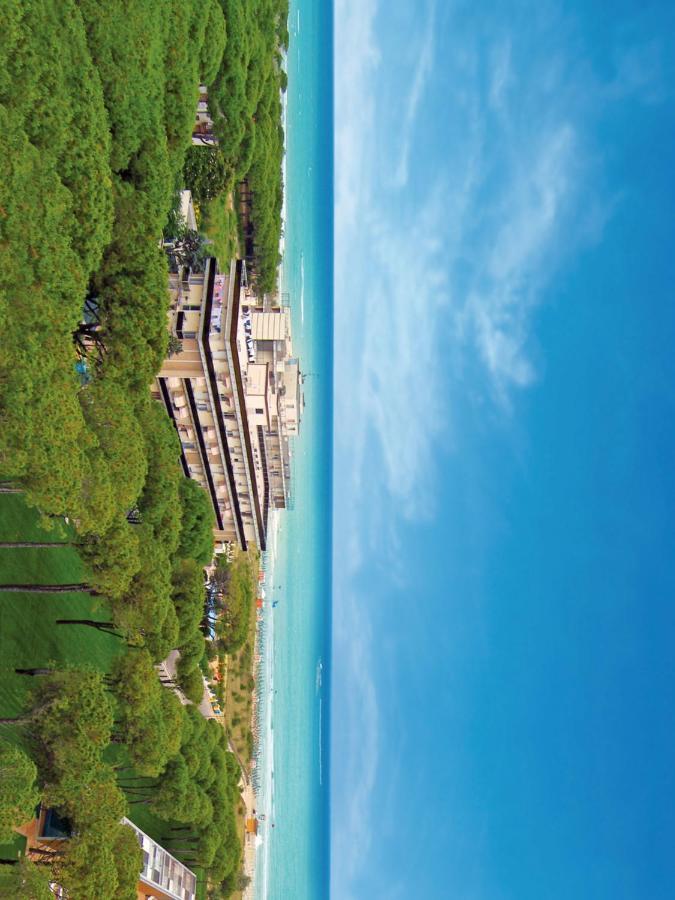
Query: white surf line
{"type": "Point", "coordinates": [266, 732]}
{"type": "Point", "coordinates": [320, 743]}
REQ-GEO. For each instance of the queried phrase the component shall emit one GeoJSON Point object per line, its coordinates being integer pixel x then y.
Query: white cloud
{"type": "Point", "coordinates": [508, 284]}
{"type": "Point", "coordinates": [399, 385]}
{"type": "Point", "coordinates": [501, 73]}
{"type": "Point", "coordinates": [359, 741]}
{"type": "Point", "coordinates": [456, 275]}
{"type": "Point", "coordinates": [420, 77]}
{"type": "Point", "coordinates": [356, 31]}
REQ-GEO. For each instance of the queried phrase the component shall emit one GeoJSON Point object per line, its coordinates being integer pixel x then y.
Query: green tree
{"type": "Point", "coordinates": [87, 867]}
{"type": "Point", "coordinates": [18, 794]}
{"type": "Point", "coordinates": [206, 173]}
{"type": "Point", "coordinates": [87, 791]}
{"type": "Point", "coordinates": [143, 610]}
{"type": "Point", "coordinates": [55, 194]}
{"type": "Point", "coordinates": [128, 860]}
{"type": "Point", "coordinates": [70, 725]}
{"type": "Point", "coordinates": [159, 503]}
{"type": "Point", "coordinates": [149, 715]}
{"type": "Point", "coordinates": [188, 594]}
{"type": "Point", "coordinates": [152, 730]}
{"type": "Point", "coordinates": [197, 523]}
{"type": "Point", "coordinates": [232, 625]}
{"type": "Point", "coordinates": [112, 558]}
{"type": "Point", "coordinates": [110, 415]}
{"type": "Point", "coordinates": [214, 44]}
{"type": "Point", "coordinates": [27, 881]}
{"type": "Point", "coordinates": [168, 801]}
{"type": "Point", "coordinates": [189, 250]}
{"type": "Point", "coordinates": [191, 681]}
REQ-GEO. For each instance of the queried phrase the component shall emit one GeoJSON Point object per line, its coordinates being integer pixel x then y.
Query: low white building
{"type": "Point", "coordinates": [162, 873]}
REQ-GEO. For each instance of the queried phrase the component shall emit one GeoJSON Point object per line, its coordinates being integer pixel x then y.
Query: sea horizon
{"type": "Point", "coordinates": [293, 858]}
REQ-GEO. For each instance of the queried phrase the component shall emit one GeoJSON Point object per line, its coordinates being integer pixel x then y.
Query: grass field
{"type": "Point", "coordinates": [219, 222]}
{"type": "Point", "coordinates": [20, 522]}
{"type": "Point", "coordinates": [29, 635]}
{"type": "Point", "coordinates": [12, 850]}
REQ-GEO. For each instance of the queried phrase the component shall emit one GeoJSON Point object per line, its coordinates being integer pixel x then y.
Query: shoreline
{"type": "Point", "coordinates": [254, 791]}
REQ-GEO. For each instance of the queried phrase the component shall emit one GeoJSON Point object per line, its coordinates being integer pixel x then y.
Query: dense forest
{"type": "Point", "coordinates": [97, 105]}
{"type": "Point", "coordinates": [92, 145]}
{"type": "Point", "coordinates": [245, 105]}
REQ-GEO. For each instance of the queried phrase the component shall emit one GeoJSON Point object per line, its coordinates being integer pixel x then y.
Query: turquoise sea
{"type": "Point", "coordinates": [293, 857]}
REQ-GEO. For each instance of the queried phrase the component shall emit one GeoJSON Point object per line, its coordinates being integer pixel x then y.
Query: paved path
{"type": "Point", "coordinates": [167, 669]}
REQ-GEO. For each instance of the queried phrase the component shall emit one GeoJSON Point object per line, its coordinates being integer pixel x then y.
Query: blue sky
{"type": "Point", "coordinates": [504, 619]}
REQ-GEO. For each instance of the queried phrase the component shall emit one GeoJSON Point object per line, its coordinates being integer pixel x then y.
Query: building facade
{"type": "Point", "coordinates": [233, 390]}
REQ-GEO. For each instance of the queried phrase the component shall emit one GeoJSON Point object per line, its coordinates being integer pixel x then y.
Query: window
{"type": "Point", "coordinates": [259, 412]}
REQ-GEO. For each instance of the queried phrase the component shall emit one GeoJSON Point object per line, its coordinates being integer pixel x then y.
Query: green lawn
{"type": "Point", "coordinates": [19, 522]}
{"type": "Point", "coordinates": [14, 848]}
{"type": "Point", "coordinates": [29, 635]}
{"type": "Point", "coordinates": [37, 565]}
{"type": "Point", "coordinates": [220, 225]}
{"type": "Point", "coordinates": [53, 565]}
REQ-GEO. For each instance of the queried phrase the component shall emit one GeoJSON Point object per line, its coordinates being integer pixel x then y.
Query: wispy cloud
{"type": "Point", "coordinates": [518, 261]}
{"type": "Point", "coordinates": [401, 356]}
{"type": "Point", "coordinates": [353, 172]}
{"type": "Point", "coordinates": [360, 738]}
{"type": "Point", "coordinates": [450, 278]}
{"type": "Point", "coordinates": [500, 74]}
{"type": "Point", "coordinates": [423, 70]}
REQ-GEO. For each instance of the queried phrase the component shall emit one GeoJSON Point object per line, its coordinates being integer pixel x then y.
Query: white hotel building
{"type": "Point", "coordinates": [234, 392]}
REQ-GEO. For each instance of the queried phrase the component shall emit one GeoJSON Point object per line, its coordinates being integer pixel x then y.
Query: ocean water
{"type": "Point", "coordinates": [293, 767]}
